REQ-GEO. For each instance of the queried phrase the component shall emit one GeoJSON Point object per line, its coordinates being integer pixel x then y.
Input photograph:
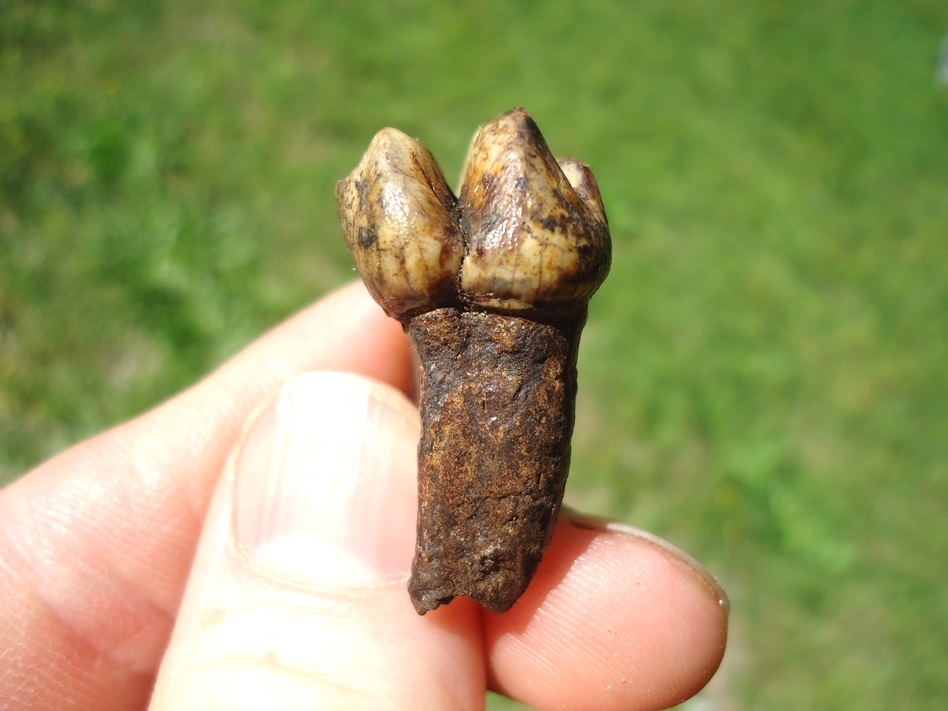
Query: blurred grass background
{"type": "Point", "coordinates": [763, 378]}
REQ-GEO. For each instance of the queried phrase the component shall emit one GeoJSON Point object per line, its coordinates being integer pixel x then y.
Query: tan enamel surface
{"type": "Point", "coordinates": [531, 240]}
{"type": "Point", "coordinates": [584, 183]}
{"type": "Point", "coordinates": [397, 215]}
{"type": "Point", "coordinates": [528, 233]}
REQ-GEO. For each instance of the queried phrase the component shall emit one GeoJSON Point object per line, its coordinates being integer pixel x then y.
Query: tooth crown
{"type": "Point", "coordinates": [528, 233]}
{"type": "Point", "coordinates": [400, 223]}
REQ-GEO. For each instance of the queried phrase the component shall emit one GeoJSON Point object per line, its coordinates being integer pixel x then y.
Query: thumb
{"type": "Point", "coordinates": [297, 597]}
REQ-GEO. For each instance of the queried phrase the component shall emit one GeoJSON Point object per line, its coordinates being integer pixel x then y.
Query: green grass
{"type": "Point", "coordinates": [763, 377]}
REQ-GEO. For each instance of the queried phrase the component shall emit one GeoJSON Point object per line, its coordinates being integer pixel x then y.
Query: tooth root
{"type": "Point", "coordinates": [497, 404]}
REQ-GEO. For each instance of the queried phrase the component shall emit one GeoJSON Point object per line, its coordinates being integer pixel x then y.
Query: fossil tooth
{"type": "Point", "coordinates": [492, 290]}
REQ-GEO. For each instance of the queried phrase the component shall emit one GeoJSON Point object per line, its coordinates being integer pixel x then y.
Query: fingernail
{"type": "Point", "coordinates": [595, 523]}
{"type": "Point", "coordinates": [326, 485]}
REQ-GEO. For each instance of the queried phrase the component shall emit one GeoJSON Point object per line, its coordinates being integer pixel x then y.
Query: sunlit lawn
{"type": "Point", "coordinates": [763, 377]}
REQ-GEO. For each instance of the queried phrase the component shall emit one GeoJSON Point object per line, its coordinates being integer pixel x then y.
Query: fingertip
{"type": "Point", "coordinates": [297, 594]}
{"type": "Point", "coordinates": [611, 620]}
{"type": "Point", "coordinates": [111, 524]}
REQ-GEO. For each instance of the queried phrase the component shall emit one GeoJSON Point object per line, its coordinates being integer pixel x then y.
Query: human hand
{"type": "Point", "coordinates": [296, 597]}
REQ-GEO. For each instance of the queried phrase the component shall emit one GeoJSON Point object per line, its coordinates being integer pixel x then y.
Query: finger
{"type": "Point", "coordinates": [298, 594]}
{"type": "Point", "coordinates": [614, 619]}
{"type": "Point", "coordinates": [95, 544]}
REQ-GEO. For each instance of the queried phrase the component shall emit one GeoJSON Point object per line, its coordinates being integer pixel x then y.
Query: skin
{"type": "Point", "coordinates": [97, 544]}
